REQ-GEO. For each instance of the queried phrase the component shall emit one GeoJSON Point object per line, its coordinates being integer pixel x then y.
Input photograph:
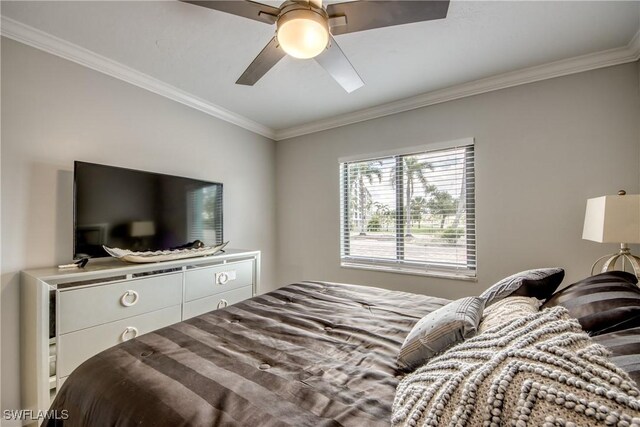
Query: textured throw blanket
{"type": "Point", "coordinates": [538, 370]}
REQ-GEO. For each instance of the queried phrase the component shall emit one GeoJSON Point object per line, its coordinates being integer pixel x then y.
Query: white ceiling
{"type": "Point", "coordinates": [203, 52]}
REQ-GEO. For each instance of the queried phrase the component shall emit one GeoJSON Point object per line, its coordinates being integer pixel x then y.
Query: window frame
{"type": "Point", "coordinates": [399, 265]}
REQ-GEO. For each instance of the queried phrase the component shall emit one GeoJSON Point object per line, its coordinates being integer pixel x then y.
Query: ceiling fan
{"type": "Point", "coordinates": [305, 29]}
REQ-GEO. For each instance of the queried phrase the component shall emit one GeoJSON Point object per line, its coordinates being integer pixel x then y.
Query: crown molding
{"type": "Point", "coordinates": [46, 42]}
{"type": "Point", "coordinates": [38, 39]}
{"type": "Point", "coordinates": [578, 64]}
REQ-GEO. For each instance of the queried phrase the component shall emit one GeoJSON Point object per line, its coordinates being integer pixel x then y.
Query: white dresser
{"type": "Point", "coordinates": [71, 315]}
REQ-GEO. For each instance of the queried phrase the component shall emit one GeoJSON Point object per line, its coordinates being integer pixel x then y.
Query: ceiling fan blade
{"type": "Point", "coordinates": [248, 9]}
{"type": "Point", "coordinates": [266, 59]}
{"type": "Point", "coordinates": [365, 15]}
{"type": "Point", "coordinates": [336, 63]}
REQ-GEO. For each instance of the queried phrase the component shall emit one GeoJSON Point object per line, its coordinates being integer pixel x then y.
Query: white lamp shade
{"type": "Point", "coordinates": [613, 219]}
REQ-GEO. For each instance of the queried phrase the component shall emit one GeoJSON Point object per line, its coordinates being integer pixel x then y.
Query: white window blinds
{"type": "Point", "coordinates": [411, 213]}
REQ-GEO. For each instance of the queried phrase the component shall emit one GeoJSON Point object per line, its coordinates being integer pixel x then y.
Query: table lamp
{"type": "Point", "coordinates": [614, 219]}
{"type": "Point", "coordinates": [142, 228]}
{"type": "Point", "coordinates": [141, 231]}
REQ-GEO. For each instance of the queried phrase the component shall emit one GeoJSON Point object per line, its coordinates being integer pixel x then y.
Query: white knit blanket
{"type": "Point", "coordinates": [538, 370]}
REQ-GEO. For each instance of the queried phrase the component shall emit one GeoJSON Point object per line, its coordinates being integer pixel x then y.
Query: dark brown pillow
{"type": "Point", "coordinates": [539, 283]}
{"type": "Point", "coordinates": [603, 303]}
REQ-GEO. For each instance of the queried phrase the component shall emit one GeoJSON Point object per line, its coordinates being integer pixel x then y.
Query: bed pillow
{"type": "Point", "coordinates": [603, 303]}
{"type": "Point", "coordinates": [506, 310]}
{"type": "Point", "coordinates": [625, 350]}
{"type": "Point", "coordinates": [439, 330]}
{"type": "Point", "coordinates": [539, 283]}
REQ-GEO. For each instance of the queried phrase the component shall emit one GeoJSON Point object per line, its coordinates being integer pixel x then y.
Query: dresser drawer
{"type": "Point", "coordinates": [76, 347]}
{"type": "Point", "coordinates": [203, 282]}
{"type": "Point", "coordinates": [221, 300]}
{"type": "Point", "coordinates": [83, 308]}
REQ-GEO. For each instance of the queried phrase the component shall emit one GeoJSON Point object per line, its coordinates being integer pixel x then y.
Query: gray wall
{"type": "Point", "coordinates": [542, 150]}
{"type": "Point", "coordinates": [54, 112]}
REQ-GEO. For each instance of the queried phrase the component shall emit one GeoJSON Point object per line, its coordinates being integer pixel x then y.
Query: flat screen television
{"type": "Point", "coordinates": [136, 210]}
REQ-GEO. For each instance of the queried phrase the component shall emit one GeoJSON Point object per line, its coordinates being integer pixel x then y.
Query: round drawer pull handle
{"type": "Point", "coordinates": [223, 303]}
{"type": "Point", "coordinates": [130, 330]}
{"type": "Point", "coordinates": [223, 278]}
{"type": "Point", "coordinates": [124, 301]}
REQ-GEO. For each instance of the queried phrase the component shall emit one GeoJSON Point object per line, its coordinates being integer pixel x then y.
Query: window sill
{"type": "Point", "coordinates": [391, 269]}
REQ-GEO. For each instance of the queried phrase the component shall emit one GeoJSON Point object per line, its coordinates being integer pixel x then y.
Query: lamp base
{"type": "Point", "coordinates": [625, 255]}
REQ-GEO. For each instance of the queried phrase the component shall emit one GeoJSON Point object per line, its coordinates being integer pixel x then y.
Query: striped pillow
{"type": "Point", "coordinates": [603, 303]}
{"type": "Point", "coordinates": [539, 283]}
{"type": "Point", "coordinates": [625, 350]}
{"type": "Point", "coordinates": [439, 330]}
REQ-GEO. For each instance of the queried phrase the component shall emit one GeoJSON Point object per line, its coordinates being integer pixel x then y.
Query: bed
{"type": "Point", "coordinates": [307, 354]}
{"type": "Point", "coordinates": [313, 354]}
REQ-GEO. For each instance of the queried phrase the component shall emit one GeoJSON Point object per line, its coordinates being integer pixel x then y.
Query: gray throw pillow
{"type": "Point", "coordinates": [439, 330]}
{"type": "Point", "coordinates": [540, 283]}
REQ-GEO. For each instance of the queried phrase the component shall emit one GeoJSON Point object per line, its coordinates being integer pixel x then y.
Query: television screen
{"type": "Point", "coordinates": [140, 211]}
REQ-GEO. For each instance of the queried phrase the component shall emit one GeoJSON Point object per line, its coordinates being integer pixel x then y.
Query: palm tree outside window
{"type": "Point", "coordinates": [359, 174]}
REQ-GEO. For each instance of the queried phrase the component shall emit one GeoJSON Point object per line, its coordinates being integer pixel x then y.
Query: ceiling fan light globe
{"type": "Point", "coordinates": [303, 34]}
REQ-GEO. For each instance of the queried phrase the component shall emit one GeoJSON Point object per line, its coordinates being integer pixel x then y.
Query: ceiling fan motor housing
{"type": "Point", "coordinates": [302, 29]}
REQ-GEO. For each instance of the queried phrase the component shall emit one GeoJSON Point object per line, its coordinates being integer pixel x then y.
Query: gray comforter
{"type": "Point", "coordinates": [308, 354]}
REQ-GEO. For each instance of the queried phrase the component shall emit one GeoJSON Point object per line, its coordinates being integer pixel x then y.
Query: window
{"type": "Point", "coordinates": [204, 221]}
{"type": "Point", "coordinates": [411, 212]}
